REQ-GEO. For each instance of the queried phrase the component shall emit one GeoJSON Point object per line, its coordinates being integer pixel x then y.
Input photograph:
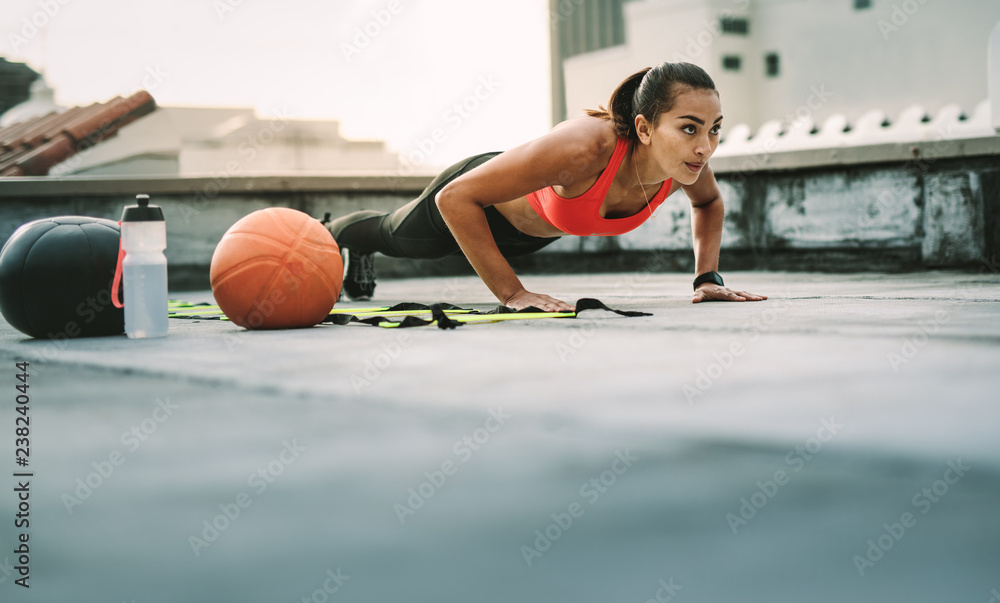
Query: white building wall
{"type": "Point", "coordinates": [737, 90]}
{"type": "Point", "coordinates": [833, 58]}
{"type": "Point", "coordinates": [665, 30]}
{"type": "Point", "coordinates": [887, 57]}
{"type": "Point", "coordinates": [994, 79]}
{"type": "Point", "coordinates": [592, 77]}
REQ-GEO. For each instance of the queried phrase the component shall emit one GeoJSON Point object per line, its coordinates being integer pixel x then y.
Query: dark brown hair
{"type": "Point", "coordinates": [650, 92]}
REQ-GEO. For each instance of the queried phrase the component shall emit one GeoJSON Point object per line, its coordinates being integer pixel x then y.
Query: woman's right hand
{"type": "Point", "coordinates": [525, 299]}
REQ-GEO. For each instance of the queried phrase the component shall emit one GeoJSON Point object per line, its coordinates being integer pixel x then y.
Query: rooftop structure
{"type": "Point", "coordinates": [181, 141]}
{"type": "Point", "coordinates": [777, 60]}
{"type": "Point", "coordinates": [34, 146]}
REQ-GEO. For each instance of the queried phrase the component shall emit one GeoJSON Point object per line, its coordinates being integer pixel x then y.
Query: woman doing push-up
{"type": "Point", "coordinates": [601, 174]}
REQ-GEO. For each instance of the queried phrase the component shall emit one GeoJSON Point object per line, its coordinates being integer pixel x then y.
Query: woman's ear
{"type": "Point", "coordinates": [643, 128]}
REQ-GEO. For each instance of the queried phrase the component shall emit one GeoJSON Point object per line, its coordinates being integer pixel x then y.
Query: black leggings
{"type": "Point", "coordinates": [417, 229]}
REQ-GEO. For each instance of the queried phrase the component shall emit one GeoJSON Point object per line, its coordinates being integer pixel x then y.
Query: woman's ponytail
{"type": "Point", "coordinates": [621, 106]}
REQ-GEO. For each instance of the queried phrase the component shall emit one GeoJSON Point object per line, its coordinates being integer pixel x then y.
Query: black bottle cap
{"type": "Point", "coordinates": [143, 211]}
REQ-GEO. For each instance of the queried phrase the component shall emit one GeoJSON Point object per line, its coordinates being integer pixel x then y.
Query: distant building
{"type": "Point", "coordinates": [189, 141]}
{"type": "Point", "coordinates": [578, 27]}
{"type": "Point", "coordinates": [230, 141]}
{"type": "Point", "coordinates": [778, 59]}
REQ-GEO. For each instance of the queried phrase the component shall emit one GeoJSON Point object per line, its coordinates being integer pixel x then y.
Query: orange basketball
{"type": "Point", "coordinates": [277, 268]}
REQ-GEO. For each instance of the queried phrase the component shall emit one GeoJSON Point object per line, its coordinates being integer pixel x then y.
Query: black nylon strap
{"type": "Point", "coordinates": [406, 321]}
{"type": "Point", "coordinates": [406, 306]}
{"type": "Point", "coordinates": [584, 303]}
{"type": "Point", "coordinates": [443, 322]}
{"type": "Point", "coordinates": [588, 303]}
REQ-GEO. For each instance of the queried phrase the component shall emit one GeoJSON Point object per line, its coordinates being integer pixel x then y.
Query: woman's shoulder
{"type": "Point", "coordinates": [587, 139]}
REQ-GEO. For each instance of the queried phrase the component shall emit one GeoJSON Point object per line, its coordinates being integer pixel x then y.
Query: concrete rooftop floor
{"type": "Point", "coordinates": [837, 442]}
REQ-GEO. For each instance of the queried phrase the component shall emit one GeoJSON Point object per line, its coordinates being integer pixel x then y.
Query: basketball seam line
{"type": "Point", "coordinates": [284, 259]}
{"type": "Point", "coordinates": [259, 235]}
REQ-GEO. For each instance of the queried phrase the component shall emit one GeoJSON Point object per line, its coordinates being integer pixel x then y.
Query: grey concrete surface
{"type": "Point", "coordinates": [837, 442]}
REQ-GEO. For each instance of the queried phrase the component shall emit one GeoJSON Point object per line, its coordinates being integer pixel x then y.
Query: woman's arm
{"type": "Point", "coordinates": [567, 155]}
{"type": "Point", "coordinates": [707, 214]}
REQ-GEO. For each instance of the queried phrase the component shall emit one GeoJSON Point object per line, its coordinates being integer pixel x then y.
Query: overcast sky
{"type": "Point", "coordinates": [385, 69]}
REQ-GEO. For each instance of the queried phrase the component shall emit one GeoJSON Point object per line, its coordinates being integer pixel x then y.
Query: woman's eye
{"type": "Point", "coordinates": [715, 130]}
{"type": "Point", "coordinates": [688, 129]}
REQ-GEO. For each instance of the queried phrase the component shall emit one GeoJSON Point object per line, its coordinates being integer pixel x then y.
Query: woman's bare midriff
{"type": "Point", "coordinates": [524, 218]}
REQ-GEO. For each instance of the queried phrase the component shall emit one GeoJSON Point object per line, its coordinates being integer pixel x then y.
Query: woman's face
{"type": "Point", "coordinates": [686, 136]}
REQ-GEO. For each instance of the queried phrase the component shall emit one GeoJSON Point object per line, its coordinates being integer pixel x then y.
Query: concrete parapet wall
{"type": "Point", "coordinates": [198, 211]}
{"type": "Point", "coordinates": [890, 207]}
{"type": "Point", "coordinates": [883, 207]}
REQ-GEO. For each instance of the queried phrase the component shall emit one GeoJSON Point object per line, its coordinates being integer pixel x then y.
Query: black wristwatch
{"type": "Point", "coordinates": [709, 277]}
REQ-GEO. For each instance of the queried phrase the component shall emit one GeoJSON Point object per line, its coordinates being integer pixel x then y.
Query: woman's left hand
{"type": "Point", "coordinates": [713, 292]}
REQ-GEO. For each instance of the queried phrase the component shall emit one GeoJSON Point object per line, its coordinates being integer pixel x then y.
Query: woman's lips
{"type": "Point", "coordinates": [695, 167]}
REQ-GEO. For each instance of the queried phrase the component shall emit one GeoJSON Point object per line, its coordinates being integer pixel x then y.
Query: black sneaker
{"type": "Point", "coordinates": [359, 275]}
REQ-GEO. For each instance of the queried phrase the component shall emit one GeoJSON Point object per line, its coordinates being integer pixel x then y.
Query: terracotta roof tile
{"type": "Point", "coordinates": [31, 148]}
{"type": "Point", "coordinates": [10, 135]}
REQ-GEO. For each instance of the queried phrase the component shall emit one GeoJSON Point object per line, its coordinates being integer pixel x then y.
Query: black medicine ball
{"type": "Point", "coordinates": [56, 275]}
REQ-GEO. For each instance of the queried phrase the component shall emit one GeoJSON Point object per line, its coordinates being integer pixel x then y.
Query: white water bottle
{"type": "Point", "coordinates": [144, 269]}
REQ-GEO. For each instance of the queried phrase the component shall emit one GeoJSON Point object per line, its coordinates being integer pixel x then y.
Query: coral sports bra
{"type": "Point", "coordinates": [581, 215]}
